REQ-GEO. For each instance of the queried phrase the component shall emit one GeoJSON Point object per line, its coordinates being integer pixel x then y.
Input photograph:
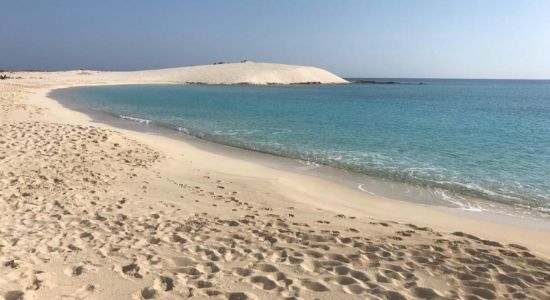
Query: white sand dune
{"type": "Point", "coordinates": [251, 73]}
{"type": "Point", "coordinates": [233, 73]}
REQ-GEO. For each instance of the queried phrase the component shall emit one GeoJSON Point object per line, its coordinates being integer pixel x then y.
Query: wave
{"type": "Point", "coordinates": [460, 202]}
{"type": "Point", "coordinates": [145, 121]}
{"type": "Point", "coordinates": [184, 130]}
{"type": "Point", "coordinates": [362, 188]}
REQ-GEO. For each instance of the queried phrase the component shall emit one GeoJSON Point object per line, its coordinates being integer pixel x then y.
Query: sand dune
{"type": "Point", "coordinates": [236, 73]}
{"type": "Point", "coordinates": [231, 73]}
{"type": "Point", "coordinates": [92, 212]}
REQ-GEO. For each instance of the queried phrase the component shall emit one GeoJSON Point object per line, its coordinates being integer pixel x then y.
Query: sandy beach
{"type": "Point", "coordinates": [89, 211]}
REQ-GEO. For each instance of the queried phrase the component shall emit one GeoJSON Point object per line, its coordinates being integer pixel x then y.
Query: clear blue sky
{"type": "Point", "coordinates": [438, 38]}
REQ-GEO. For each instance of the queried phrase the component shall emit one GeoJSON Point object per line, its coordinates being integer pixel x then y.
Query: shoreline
{"type": "Point", "coordinates": [475, 223]}
{"type": "Point", "coordinates": [475, 208]}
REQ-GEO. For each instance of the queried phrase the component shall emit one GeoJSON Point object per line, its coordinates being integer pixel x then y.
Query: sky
{"type": "Point", "coordinates": [352, 38]}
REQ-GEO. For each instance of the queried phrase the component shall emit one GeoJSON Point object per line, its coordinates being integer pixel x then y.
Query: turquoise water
{"type": "Point", "coordinates": [482, 138]}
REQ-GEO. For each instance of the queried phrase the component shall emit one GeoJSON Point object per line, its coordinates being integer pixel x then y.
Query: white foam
{"type": "Point", "coordinates": [145, 121]}
{"type": "Point", "coordinates": [312, 164]}
{"type": "Point", "coordinates": [308, 165]}
{"type": "Point", "coordinates": [363, 189]}
{"type": "Point", "coordinates": [183, 129]}
{"type": "Point", "coordinates": [282, 132]}
{"type": "Point", "coordinates": [468, 206]}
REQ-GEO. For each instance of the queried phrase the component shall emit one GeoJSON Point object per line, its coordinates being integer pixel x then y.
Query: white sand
{"type": "Point", "coordinates": [250, 73]}
{"type": "Point", "coordinates": [88, 211]}
{"type": "Point", "coordinates": [234, 73]}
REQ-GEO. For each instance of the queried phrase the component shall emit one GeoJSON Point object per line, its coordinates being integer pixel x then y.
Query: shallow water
{"type": "Point", "coordinates": [480, 138]}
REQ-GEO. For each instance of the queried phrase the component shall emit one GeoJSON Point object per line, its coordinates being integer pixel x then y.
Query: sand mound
{"type": "Point", "coordinates": [233, 73]}
{"type": "Point", "coordinates": [236, 73]}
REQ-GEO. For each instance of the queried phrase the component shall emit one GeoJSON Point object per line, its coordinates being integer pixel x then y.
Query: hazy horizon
{"type": "Point", "coordinates": [353, 39]}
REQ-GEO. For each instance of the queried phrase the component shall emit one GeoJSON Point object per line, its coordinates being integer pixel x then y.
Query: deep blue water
{"type": "Point", "coordinates": [482, 138]}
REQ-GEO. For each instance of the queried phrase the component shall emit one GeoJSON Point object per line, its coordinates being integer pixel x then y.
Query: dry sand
{"type": "Point", "coordinates": [232, 73]}
{"type": "Point", "coordinates": [88, 211]}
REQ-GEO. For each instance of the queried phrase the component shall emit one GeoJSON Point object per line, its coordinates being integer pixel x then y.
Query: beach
{"type": "Point", "coordinates": [90, 211]}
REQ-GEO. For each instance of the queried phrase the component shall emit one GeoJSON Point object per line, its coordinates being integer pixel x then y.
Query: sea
{"type": "Point", "coordinates": [473, 144]}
